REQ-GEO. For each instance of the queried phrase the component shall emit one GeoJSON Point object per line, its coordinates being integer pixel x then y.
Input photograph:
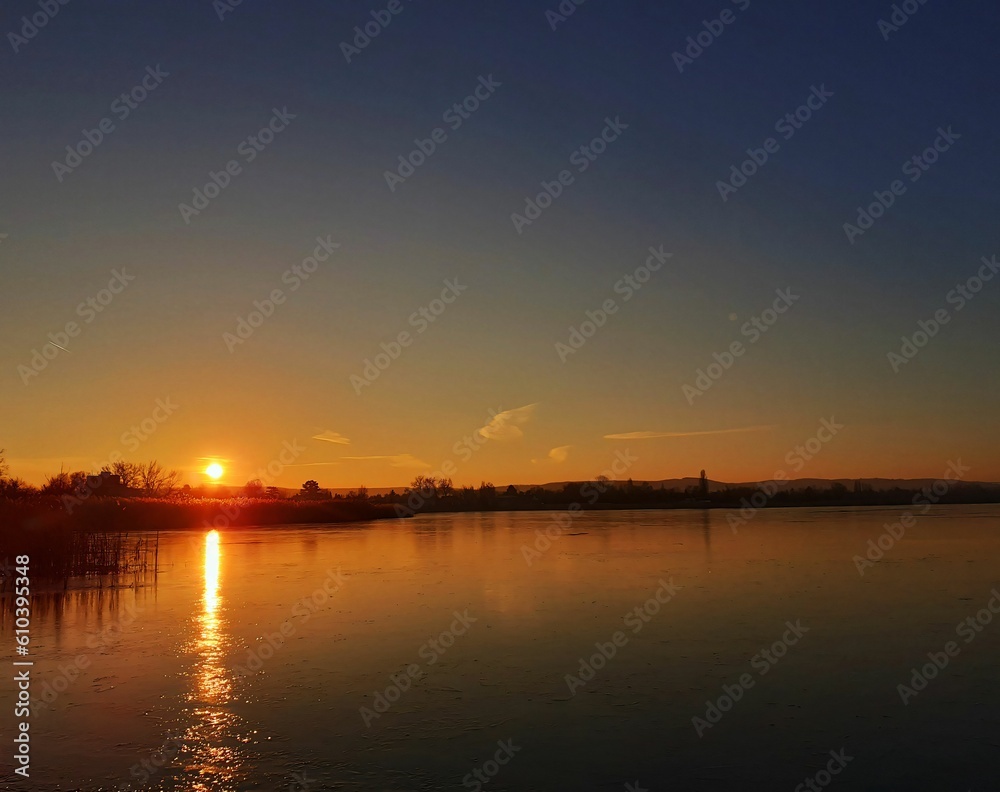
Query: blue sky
{"type": "Point", "coordinates": [494, 348]}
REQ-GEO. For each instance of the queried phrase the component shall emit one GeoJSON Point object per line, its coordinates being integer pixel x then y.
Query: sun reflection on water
{"type": "Point", "coordinates": [215, 757]}
{"type": "Point", "coordinates": [214, 683]}
{"type": "Point", "coordinates": [211, 571]}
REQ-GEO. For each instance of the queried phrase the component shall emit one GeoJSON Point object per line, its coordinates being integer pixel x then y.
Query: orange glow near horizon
{"type": "Point", "coordinates": [552, 443]}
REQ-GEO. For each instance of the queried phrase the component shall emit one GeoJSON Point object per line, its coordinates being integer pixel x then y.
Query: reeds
{"type": "Point", "coordinates": [116, 536]}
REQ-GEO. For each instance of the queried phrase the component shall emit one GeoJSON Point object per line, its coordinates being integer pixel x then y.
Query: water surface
{"type": "Point", "coordinates": [255, 661]}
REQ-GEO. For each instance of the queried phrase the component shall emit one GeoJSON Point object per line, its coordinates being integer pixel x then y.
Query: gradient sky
{"type": "Point", "coordinates": [494, 347]}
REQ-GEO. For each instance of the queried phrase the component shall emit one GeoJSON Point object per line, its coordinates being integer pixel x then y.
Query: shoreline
{"type": "Point", "coordinates": [111, 515]}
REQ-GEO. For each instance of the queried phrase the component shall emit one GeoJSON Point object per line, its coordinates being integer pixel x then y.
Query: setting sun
{"type": "Point", "coordinates": [749, 480]}
{"type": "Point", "coordinates": [214, 471]}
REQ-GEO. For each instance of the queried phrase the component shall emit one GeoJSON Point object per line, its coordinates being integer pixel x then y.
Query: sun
{"type": "Point", "coordinates": [214, 471]}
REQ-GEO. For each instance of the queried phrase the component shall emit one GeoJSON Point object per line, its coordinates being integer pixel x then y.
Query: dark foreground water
{"type": "Point", "coordinates": [428, 654]}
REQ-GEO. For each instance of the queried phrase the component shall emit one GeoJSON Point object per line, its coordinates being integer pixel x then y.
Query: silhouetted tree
{"type": "Point", "coordinates": [254, 488]}
{"type": "Point", "coordinates": [155, 481]}
{"type": "Point", "coordinates": [130, 473]}
{"type": "Point", "coordinates": [13, 487]}
{"type": "Point", "coordinates": [427, 486]}
{"type": "Point", "coordinates": [151, 477]}
{"type": "Point", "coordinates": [64, 483]}
{"type": "Point", "coordinates": [310, 489]}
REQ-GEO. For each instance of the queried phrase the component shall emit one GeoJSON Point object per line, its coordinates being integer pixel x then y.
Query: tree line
{"type": "Point", "coordinates": [149, 479]}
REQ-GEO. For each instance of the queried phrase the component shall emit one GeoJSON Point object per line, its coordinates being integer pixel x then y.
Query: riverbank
{"type": "Point", "coordinates": [150, 514]}
{"type": "Point", "coordinates": [730, 500]}
{"type": "Point", "coordinates": [50, 513]}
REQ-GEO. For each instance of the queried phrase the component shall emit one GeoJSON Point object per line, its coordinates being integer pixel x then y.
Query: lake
{"type": "Point", "coordinates": [637, 650]}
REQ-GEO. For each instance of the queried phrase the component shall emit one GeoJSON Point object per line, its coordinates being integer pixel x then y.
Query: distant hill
{"type": "Point", "coordinates": [681, 484]}
{"type": "Point", "coordinates": [678, 484]}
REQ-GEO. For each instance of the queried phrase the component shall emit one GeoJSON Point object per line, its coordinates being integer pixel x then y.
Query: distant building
{"type": "Point", "coordinates": [107, 484]}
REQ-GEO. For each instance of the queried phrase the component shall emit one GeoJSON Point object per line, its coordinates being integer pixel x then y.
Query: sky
{"type": "Point", "coordinates": [438, 332]}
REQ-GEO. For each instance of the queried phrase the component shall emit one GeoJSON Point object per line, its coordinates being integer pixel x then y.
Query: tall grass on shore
{"type": "Point", "coordinates": [163, 514]}
{"type": "Point", "coordinates": [116, 536]}
{"type": "Point", "coordinates": [58, 553]}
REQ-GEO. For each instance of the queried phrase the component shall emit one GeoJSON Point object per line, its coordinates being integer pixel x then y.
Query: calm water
{"type": "Point", "coordinates": [185, 675]}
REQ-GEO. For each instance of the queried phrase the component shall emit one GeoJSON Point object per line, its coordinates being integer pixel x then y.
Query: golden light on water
{"type": "Point", "coordinates": [213, 677]}
{"type": "Point", "coordinates": [211, 572]}
{"type": "Point", "coordinates": [218, 763]}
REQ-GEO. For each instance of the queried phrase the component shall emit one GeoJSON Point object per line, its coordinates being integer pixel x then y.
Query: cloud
{"type": "Point", "coordinates": [332, 437]}
{"type": "Point", "coordinates": [505, 425]}
{"type": "Point", "coordinates": [556, 455]}
{"type": "Point", "coordinates": [655, 435]}
{"type": "Point", "coordinates": [312, 464]}
{"type": "Point", "coordinates": [559, 454]}
{"type": "Point", "coordinates": [395, 460]}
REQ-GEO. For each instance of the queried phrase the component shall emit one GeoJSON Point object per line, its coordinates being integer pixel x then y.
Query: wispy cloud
{"type": "Point", "coordinates": [556, 455]}
{"type": "Point", "coordinates": [506, 425]}
{"type": "Point", "coordinates": [332, 437]}
{"type": "Point", "coordinates": [395, 460]}
{"type": "Point", "coordinates": [312, 464]}
{"type": "Point", "coordinates": [656, 435]}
